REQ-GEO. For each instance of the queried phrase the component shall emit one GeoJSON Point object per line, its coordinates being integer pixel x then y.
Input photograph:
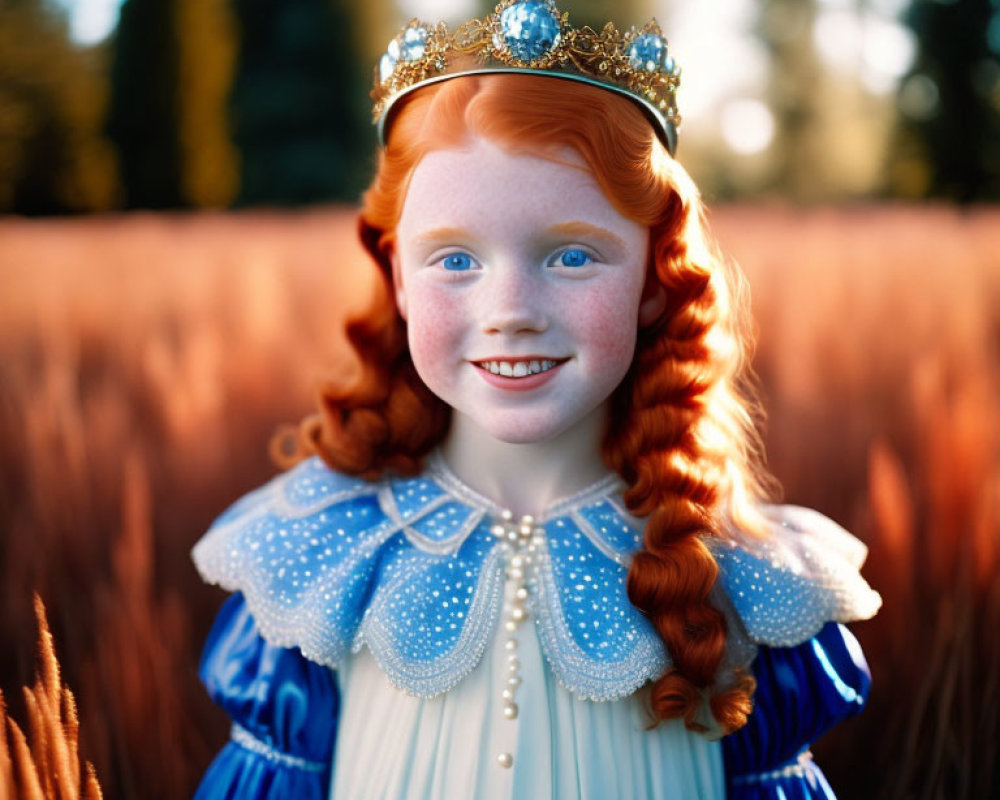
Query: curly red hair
{"type": "Point", "coordinates": [686, 416]}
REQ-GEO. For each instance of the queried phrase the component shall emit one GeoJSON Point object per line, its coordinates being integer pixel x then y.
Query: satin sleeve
{"type": "Point", "coordinates": [284, 710]}
{"type": "Point", "coordinates": [801, 693]}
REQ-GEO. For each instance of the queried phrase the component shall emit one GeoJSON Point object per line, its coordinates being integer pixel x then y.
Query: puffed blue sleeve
{"type": "Point", "coordinates": [801, 693]}
{"type": "Point", "coordinates": [284, 712]}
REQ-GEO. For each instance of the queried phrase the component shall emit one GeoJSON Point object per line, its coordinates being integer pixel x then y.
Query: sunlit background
{"type": "Point", "coordinates": [206, 103]}
{"type": "Point", "coordinates": [850, 153]}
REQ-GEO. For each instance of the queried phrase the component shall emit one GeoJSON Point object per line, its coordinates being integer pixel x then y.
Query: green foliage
{"type": "Point", "coordinates": [171, 79]}
{"type": "Point", "coordinates": [53, 158]}
{"type": "Point", "coordinates": [209, 170]}
{"type": "Point", "coordinates": [949, 134]}
{"type": "Point", "coordinates": [299, 103]}
{"type": "Point", "coordinates": [143, 116]}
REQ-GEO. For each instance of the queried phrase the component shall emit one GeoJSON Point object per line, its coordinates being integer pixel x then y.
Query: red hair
{"type": "Point", "coordinates": [685, 436]}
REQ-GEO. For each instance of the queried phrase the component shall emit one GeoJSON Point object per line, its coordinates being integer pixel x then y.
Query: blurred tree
{"type": "Point", "coordinates": [785, 27]}
{"type": "Point", "coordinates": [173, 69]}
{"type": "Point", "coordinates": [207, 42]}
{"type": "Point", "coordinates": [299, 102]}
{"type": "Point", "coordinates": [143, 120]}
{"type": "Point", "coordinates": [596, 12]}
{"type": "Point", "coordinates": [376, 22]}
{"type": "Point", "coordinates": [832, 132]}
{"type": "Point", "coordinates": [53, 158]}
{"type": "Point", "coordinates": [948, 141]}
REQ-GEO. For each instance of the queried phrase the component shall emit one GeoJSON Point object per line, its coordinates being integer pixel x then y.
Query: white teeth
{"type": "Point", "coordinates": [517, 369]}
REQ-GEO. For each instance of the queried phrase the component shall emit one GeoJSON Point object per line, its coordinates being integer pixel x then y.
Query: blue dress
{"type": "Point", "coordinates": [410, 572]}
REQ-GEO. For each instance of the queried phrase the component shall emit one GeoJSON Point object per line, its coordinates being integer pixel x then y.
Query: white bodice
{"type": "Point", "coordinates": [394, 745]}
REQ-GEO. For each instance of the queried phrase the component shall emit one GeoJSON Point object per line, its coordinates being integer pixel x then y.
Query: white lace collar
{"type": "Point", "coordinates": [412, 568]}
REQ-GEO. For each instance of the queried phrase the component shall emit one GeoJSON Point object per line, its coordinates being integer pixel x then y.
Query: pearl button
{"type": "Point", "coordinates": [505, 760]}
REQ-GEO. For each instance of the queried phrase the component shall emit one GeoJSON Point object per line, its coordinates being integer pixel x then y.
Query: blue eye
{"type": "Point", "coordinates": [457, 262]}
{"type": "Point", "coordinates": [572, 258]}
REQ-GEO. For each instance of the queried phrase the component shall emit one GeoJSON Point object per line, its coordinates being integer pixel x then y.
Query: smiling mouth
{"type": "Point", "coordinates": [519, 368]}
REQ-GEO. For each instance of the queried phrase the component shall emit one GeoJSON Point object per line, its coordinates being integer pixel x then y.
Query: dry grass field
{"type": "Point", "coordinates": [146, 360]}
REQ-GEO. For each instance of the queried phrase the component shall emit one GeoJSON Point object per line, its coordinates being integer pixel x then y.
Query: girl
{"type": "Point", "coordinates": [526, 553]}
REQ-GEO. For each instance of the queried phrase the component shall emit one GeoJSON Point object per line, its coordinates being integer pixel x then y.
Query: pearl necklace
{"type": "Point", "coordinates": [521, 542]}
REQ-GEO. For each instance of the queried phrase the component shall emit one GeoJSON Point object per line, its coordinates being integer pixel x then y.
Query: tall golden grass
{"type": "Point", "coordinates": [145, 361]}
{"type": "Point", "coordinates": [45, 765]}
{"type": "Point", "coordinates": [880, 355]}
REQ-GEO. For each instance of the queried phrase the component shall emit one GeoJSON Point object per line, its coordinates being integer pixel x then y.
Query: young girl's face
{"type": "Point", "coordinates": [521, 286]}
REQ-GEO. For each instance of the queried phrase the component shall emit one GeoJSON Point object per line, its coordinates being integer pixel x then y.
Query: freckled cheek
{"type": "Point", "coordinates": [610, 333]}
{"type": "Point", "coordinates": [434, 329]}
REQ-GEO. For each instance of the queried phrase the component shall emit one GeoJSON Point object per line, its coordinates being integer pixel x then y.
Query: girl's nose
{"type": "Point", "coordinates": [513, 302]}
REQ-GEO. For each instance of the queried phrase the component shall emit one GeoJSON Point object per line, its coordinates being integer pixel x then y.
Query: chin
{"type": "Point", "coordinates": [523, 431]}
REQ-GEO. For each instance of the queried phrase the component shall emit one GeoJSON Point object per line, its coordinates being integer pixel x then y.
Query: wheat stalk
{"type": "Point", "coordinates": [45, 765]}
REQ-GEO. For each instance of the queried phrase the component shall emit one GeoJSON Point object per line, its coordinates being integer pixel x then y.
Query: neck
{"type": "Point", "coordinates": [526, 478]}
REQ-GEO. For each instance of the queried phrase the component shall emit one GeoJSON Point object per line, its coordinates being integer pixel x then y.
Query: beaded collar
{"type": "Point", "coordinates": [414, 568]}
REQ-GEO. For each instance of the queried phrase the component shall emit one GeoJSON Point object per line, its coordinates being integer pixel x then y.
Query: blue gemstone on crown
{"type": "Point", "coordinates": [526, 35]}
{"type": "Point", "coordinates": [648, 51]}
{"type": "Point", "coordinates": [529, 29]}
{"type": "Point", "coordinates": [410, 45]}
{"type": "Point", "coordinates": [393, 49]}
{"type": "Point", "coordinates": [389, 59]}
{"type": "Point", "coordinates": [414, 43]}
{"type": "Point", "coordinates": [386, 65]}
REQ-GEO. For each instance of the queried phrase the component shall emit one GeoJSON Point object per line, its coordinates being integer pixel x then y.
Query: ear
{"type": "Point", "coordinates": [399, 291]}
{"type": "Point", "coordinates": [654, 300]}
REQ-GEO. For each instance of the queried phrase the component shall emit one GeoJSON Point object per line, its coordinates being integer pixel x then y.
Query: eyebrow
{"type": "Point", "coordinates": [575, 229]}
{"type": "Point", "coordinates": [444, 234]}
{"type": "Point", "coordinates": [585, 230]}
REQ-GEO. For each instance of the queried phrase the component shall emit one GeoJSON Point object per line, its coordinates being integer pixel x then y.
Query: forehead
{"type": "Point", "coordinates": [483, 182]}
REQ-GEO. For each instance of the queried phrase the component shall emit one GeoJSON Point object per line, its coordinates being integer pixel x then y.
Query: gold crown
{"type": "Point", "coordinates": [534, 37]}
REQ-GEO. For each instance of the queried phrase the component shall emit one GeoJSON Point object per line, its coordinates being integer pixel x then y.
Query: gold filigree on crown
{"type": "Point", "coordinates": [533, 36]}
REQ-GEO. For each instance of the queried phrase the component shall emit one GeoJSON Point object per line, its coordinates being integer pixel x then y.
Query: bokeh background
{"type": "Point", "coordinates": [178, 184]}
